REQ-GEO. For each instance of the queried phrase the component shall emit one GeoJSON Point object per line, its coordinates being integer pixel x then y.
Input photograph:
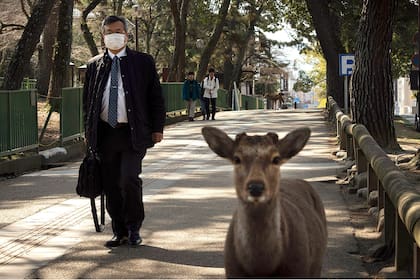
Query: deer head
{"type": "Point", "coordinates": [256, 159]}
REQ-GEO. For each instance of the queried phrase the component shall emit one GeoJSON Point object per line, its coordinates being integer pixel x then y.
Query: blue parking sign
{"type": "Point", "coordinates": [346, 64]}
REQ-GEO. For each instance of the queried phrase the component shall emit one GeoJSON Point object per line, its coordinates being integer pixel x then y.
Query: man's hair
{"type": "Point", "coordinates": [190, 73]}
{"type": "Point", "coordinates": [211, 70]}
{"type": "Point", "coordinates": [111, 19]}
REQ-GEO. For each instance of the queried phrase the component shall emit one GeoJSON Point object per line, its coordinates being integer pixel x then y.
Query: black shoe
{"type": "Point", "coordinates": [134, 238]}
{"type": "Point", "coordinates": [116, 241]}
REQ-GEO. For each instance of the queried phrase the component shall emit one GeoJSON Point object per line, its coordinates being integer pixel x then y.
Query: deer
{"type": "Point", "coordinates": [279, 227]}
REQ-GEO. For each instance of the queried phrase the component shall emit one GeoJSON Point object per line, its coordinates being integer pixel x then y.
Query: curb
{"type": "Point", "coordinates": [58, 155]}
{"type": "Point", "coordinates": [21, 165]}
{"type": "Point", "coordinates": [42, 160]}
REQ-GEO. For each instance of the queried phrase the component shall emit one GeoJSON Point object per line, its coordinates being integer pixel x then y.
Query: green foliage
{"type": "Point", "coordinates": [403, 47]}
{"type": "Point", "coordinates": [348, 11]}
{"type": "Point", "coordinates": [303, 82]}
{"type": "Point", "coordinates": [318, 73]}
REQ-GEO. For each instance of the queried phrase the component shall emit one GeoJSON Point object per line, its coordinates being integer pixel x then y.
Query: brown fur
{"type": "Point", "coordinates": [278, 230]}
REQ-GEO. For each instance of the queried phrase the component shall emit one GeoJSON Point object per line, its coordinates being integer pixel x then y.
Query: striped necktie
{"type": "Point", "coordinates": [113, 93]}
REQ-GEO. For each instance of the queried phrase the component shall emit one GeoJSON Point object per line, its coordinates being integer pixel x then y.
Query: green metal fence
{"type": "Point", "coordinates": [71, 114]}
{"type": "Point", "coordinates": [173, 96]}
{"type": "Point", "coordinates": [18, 121]}
{"type": "Point", "coordinates": [250, 102]}
{"type": "Point", "coordinates": [223, 99]}
{"type": "Point", "coordinates": [27, 83]}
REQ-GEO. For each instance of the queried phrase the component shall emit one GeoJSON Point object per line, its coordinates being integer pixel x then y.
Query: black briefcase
{"type": "Point", "coordinates": [89, 185]}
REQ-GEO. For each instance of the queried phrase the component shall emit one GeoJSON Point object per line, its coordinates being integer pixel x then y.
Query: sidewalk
{"type": "Point", "coordinates": [47, 232]}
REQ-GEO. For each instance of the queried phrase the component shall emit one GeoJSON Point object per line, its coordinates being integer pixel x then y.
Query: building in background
{"type": "Point", "coordinates": [404, 99]}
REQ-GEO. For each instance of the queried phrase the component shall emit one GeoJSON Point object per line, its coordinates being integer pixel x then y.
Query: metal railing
{"type": "Point", "coordinates": [399, 198]}
{"type": "Point", "coordinates": [251, 102]}
{"type": "Point", "coordinates": [27, 83]}
{"type": "Point", "coordinates": [71, 114]}
{"type": "Point", "coordinates": [173, 97]}
{"type": "Point", "coordinates": [18, 121]}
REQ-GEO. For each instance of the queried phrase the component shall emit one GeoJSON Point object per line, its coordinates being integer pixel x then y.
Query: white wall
{"type": "Point", "coordinates": [404, 100]}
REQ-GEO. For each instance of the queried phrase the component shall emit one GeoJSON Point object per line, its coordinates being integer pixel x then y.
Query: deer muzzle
{"type": "Point", "coordinates": [256, 189]}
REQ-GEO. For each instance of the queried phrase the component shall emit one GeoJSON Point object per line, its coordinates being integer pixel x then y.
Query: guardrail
{"type": "Point", "coordinates": [18, 121]}
{"type": "Point", "coordinates": [399, 198]}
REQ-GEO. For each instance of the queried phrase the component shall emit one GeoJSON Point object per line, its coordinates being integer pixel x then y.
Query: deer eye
{"type": "Point", "coordinates": [276, 160]}
{"type": "Point", "coordinates": [236, 160]}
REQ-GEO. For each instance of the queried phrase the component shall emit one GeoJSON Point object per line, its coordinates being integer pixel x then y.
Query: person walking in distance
{"type": "Point", "coordinates": [124, 115]}
{"type": "Point", "coordinates": [190, 93]}
{"type": "Point", "coordinates": [211, 86]}
{"type": "Point", "coordinates": [202, 102]}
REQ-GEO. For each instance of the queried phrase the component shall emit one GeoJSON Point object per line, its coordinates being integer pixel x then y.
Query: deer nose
{"type": "Point", "coordinates": [255, 189]}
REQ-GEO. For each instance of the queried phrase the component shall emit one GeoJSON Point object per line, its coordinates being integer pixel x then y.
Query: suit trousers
{"type": "Point", "coordinates": [121, 169]}
{"type": "Point", "coordinates": [207, 102]}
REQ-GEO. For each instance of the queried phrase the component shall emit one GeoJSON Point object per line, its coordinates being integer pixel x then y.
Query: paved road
{"type": "Point", "coordinates": [46, 231]}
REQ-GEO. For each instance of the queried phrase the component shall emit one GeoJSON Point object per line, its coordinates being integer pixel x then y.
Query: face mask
{"type": "Point", "coordinates": [114, 41]}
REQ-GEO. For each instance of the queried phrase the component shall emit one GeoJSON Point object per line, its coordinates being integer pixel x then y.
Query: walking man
{"type": "Point", "coordinates": [190, 93]}
{"type": "Point", "coordinates": [124, 115]}
{"type": "Point", "coordinates": [211, 86]}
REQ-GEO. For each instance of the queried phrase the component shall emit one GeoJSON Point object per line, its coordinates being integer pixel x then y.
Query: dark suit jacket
{"type": "Point", "coordinates": [143, 95]}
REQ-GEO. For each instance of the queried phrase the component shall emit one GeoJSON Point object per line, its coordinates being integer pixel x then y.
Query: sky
{"type": "Point", "coordinates": [289, 53]}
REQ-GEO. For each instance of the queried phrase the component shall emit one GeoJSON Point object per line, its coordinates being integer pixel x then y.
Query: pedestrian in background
{"type": "Point", "coordinates": [124, 115]}
{"type": "Point", "coordinates": [190, 93]}
{"type": "Point", "coordinates": [211, 86]}
{"type": "Point", "coordinates": [202, 102]}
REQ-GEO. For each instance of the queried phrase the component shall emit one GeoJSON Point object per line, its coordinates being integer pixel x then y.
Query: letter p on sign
{"type": "Point", "coordinates": [346, 62]}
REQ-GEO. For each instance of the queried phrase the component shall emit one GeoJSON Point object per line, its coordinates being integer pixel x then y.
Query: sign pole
{"type": "Point", "coordinates": [418, 67]}
{"type": "Point", "coordinates": [346, 95]}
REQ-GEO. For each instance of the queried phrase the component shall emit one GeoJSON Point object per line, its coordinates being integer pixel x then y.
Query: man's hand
{"type": "Point", "coordinates": [157, 137]}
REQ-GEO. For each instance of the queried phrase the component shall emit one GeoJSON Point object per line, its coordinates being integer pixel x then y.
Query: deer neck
{"type": "Point", "coordinates": [258, 224]}
{"type": "Point", "coordinates": [258, 235]}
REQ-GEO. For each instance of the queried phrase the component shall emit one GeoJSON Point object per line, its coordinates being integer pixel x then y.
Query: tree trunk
{"type": "Point", "coordinates": [46, 52]}
{"type": "Point", "coordinates": [328, 34]}
{"type": "Point", "coordinates": [211, 45]}
{"type": "Point", "coordinates": [119, 7]}
{"type": "Point", "coordinates": [27, 44]}
{"type": "Point", "coordinates": [228, 65]}
{"type": "Point", "coordinates": [243, 48]}
{"type": "Point", "coordinates": [372, 79]}
{"type": "Point", "coordinates": [90, 41]}
{"type": "Point", "coordinates": [59, 75]}
{"type": "Point", "coordinates": [177, 66]}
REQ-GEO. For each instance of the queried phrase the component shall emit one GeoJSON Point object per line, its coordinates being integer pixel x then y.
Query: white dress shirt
{"type": "Point", "coordinates": [122, 109]}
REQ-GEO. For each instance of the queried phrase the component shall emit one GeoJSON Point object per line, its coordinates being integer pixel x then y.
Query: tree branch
{"type": "Point", "coordinates": [22, 5]}
{"type": "Point", "coordinates": [12, 27]}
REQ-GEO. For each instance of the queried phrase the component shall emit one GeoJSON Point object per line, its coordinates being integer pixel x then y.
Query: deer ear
{"type": "Point", "coordinates": [274, 137]}
{"type": "Point", "coordinates": [218, 141]}
{"type": "Point", "coordinates": [294, 142]}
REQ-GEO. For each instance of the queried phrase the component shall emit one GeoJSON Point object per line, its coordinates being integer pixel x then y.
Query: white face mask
{"type": "Point", "coordinates": [114, 41]}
